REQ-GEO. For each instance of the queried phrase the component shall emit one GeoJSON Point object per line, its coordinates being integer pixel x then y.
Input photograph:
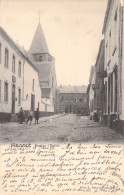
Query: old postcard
{"type": "Point", "coordinates": [61, 97]}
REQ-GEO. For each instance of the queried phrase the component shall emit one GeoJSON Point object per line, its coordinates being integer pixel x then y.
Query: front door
{"type": "Point", "coordinates": [13, 99]}
{"type": "Point", "coordinates": [32, 102]}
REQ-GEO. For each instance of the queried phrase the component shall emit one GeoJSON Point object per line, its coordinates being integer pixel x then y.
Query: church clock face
{"type": "Point", "coordinates": [44, 84]}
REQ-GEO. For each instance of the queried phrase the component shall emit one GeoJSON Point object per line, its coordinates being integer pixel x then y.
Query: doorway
{"type": "Point", "coordinates": [32, 102]}
{"type": "Point", "coordinates": [13, 99]}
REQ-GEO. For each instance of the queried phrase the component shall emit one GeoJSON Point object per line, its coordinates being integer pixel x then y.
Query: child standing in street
{"type": "Point", "coordinates": [30, 116]}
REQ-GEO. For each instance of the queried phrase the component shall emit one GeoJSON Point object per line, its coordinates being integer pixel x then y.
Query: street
{"type": "Point", "coordinates": [63, 128]}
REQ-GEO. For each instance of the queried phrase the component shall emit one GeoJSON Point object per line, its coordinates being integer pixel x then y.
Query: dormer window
{"type": "Point", "coordinates": [40, 58]}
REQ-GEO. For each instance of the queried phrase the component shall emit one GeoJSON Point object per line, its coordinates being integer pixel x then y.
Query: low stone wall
{"type": "Point", "coordinates": [5, 117]}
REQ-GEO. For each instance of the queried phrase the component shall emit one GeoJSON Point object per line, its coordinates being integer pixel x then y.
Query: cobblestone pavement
{"type": "Point", "coordinates": [59, 128]}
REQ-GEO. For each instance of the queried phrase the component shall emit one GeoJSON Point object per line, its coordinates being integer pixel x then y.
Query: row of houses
{"type": "Point", "coordinates": [27, 78]}
{"type": "Point", "coordinates": [106, 82]}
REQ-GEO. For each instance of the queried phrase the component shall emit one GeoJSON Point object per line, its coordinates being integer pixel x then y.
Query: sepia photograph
{"type": "Point", "coordinates": [61, 97]}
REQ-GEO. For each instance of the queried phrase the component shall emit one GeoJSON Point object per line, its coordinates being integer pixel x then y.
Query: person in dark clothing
{"type": "Point", "coordinates": [21, 115]}
{"type": "Point", "coordinates": [95, 115]}
{"type": "Point", "coordinates": [36, 116]}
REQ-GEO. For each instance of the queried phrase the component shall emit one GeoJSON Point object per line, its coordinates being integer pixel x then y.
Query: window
{"type": "Point", "coordinates": [115, 16]}
{"type": "Point", "coordinates": [0, 90]}
{"type": "Point", "coordinates": [0, 53]}
{"type": "Point", "coordinates": [19, 96]}
{"type": "Point", "coordinates": [6, 58]}
{"type": "Point", "coordinates": [111, 81]}
{"type": "Point", "coordinates": [115, 92]}
{"type": "Point", "coordinates": [40, 58]}
{"type": "Point", "coordinates": [13, 64]}
{"type": "Point", "coordinates": [115, 37]}
{"type": "Point", "coordinates": [109, 44]}
{"type": "Point", "coordinates": [33, 85]}
{"type": "Point", "coordinates": [26, 96]}
{"type": "Point", "coordinates": [19, 69]}
{"type": "Point", "coordinates": [109, 94]}
{"type": "Point", "coordinates": [71, 100]}
{"type": "Point", "coordinates": [6, 92]}
{"type": "Point", "coordinates": [106, 52]}
{"type": "Point", "coordinates": [105, 98]}
{"type": "Point", "coordinates": [52, 81]}
{"type": "Point", "coordinates": [110, 33]}
{"type": "Point", "coordinates": [52, 101]}
{"type": "Point", "coordinates": [49, 58]}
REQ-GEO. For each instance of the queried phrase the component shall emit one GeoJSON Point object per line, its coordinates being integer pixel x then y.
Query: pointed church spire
{"type": "Point", "coordinates": [39, 44]}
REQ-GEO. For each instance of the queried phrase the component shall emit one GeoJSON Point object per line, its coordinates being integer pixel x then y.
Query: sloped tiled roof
{"type": "Point", "coordinates": [106, 15]}
{"type": "Point", "coordinates": [17, 48]}
{"type": "Point", "coordinates": [10, 41]}
{"type": "Point", "coordinates": [73, 89]}
{"type": "Point", "coordinates": [28, 56]}
{"type": "Point", "coordinates": [39, 44]}
{"type": "Point", "coordinates": [45, 92]}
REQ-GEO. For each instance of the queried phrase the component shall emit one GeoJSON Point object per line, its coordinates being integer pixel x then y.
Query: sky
{"type": "Point", "coordinates": [72, 28]}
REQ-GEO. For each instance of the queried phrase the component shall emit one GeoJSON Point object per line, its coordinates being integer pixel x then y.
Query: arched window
{"type": "Point", "coordinates": [6, 92]}
{"type": "Point", "coordinates": [33, 85]}
{"type": "Point", "coordinates": [13, 64]}
{"type": "Point", "coordinates": [19, 96]}
{"type": "Point", "coordinates": [40, 58]}
{"type": "Point", "coordinates": [19, 69]}
{"type": "Point", "coordinates": [6, 58]}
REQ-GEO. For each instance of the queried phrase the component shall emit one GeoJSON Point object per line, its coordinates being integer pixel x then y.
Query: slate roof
{"type": "Point", "coordinates": [10, 41]}
{"type": "Point", "coordinates": [39, 44]}
{"type": "Point", "coordinates": [106, 15]}
{"type": "Point", "coordinates": [45, 92]}
{"type": "Point", "coordinates": [44, 71]}
{"type": "Point", "coordinates": [18, 48]}
{"type": "Point", "coordinates": [73, 89]}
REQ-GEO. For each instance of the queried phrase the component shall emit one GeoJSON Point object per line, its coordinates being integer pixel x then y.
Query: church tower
{"type": "Point", "coordinates": [45, 63]}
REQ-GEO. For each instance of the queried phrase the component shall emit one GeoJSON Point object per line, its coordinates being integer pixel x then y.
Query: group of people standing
{"type": "Point", "coordinates": [31, 114]}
